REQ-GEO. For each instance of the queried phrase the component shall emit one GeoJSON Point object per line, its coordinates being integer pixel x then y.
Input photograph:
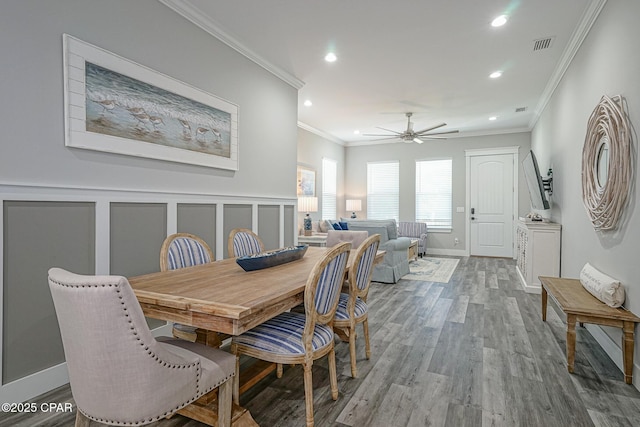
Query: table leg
{"type": "Point", "coordinates": [627, 351]}
{"type": "Point", "coordinates": [252, 375]}
{"type": "Point", "coordinates": [543, 297]}
{"type": "Point", "coordinates": [205, 410]}
{"type": "Point", "coordinates": [210, 338]}
{"type": "Point", "coordinates": [571, 341]}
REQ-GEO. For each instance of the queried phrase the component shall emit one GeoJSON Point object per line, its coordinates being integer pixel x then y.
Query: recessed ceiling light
{"type": "Point", "coordinates": [495, 74]}
{"type": "Point", "coordinates": [357, 132]}
{"type": "Point", "coordinates": [308, 103]}
{"type": "Point", "coordinates": [499, 21]}
{"type": "Point", "coordinates": [492, 118]}
{"type": "Point", "coordinates": [330, 57]}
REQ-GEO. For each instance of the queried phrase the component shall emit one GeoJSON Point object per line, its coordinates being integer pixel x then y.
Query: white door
{"type": "Point", "coordinates": [491, 205]}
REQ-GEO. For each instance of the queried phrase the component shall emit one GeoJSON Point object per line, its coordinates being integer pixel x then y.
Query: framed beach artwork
{"type": "Point", "coordinates": [115, 105]}
{"type": "Point", "coordinates": [306, 181]}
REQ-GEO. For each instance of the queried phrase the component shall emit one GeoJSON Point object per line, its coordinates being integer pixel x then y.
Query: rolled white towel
{"type": "Point", "coordinates": [607, 289]}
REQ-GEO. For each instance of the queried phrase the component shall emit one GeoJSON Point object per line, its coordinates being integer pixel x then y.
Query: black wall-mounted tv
{"type": "Point", "coordinates": [534, 182]}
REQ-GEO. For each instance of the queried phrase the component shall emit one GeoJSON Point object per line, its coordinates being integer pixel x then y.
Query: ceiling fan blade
{"type": "Point", "coordinates": [431, 128]}
{"type": "Point", "coordinates": [385, 139]}
{"type": "Point", "coordinates": [389, 130]}
{"type": "Point", "coordinates": [440, 133]}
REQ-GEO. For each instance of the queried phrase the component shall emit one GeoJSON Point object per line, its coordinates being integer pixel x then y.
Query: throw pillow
{"type": "Point", "coordinates": [336, 226]}
{"type": "Point", "coordinates": [344, 225]}
{"type": "Point", "coordinates": [607, 289]}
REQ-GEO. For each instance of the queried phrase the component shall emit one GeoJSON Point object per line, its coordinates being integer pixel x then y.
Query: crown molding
{"type": "Point", "coordinates": [577, 38]}
{"type": "Point", "coordinates": [206, 23]}
{"type": "Point", "coordinates": [320, 133]}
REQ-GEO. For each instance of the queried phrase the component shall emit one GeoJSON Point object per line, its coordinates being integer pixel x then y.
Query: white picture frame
{"type": "Point", "coordinates": [306, 181]}
{"type": "Point", "coordinates": [115, 105]}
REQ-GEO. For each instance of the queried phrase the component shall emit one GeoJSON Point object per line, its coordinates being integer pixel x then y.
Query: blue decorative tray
{"type": "Point", "coordinates": [271, 258]}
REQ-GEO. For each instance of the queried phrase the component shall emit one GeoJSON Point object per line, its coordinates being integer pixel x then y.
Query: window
{"type": "Point", "coordinates": [329, 189]}
{"type": "Point", "coordinates": [383, 190]}
{"type": "Point", "coordinates": [433, 193]}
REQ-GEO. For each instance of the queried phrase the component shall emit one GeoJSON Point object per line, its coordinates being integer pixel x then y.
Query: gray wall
{"type": "Point", "coordinates": [606, 64]}
{"type": "Point", "coordinates": [407, 154]}
{"type": "Point", "coordinates": [33, 154]}
{"type": "Point", "coordinates": [312, 148]}
{"type": "Point", "coordinates": [149, 33]}
{"type": "Point", "coordinates": [30, 336]}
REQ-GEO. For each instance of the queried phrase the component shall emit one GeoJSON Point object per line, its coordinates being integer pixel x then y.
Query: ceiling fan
{"type": "Point", "coordinates": [410, 135]}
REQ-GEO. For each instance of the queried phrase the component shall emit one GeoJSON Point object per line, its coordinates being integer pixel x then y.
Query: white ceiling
{"type": "Point", "coordinates": [429, 57]}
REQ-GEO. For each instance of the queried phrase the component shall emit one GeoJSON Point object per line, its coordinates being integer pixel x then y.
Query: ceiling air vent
{"type": "Point", "coordinates": [542, 44]}
{"type": "Point", "coordinates": [521, 109]}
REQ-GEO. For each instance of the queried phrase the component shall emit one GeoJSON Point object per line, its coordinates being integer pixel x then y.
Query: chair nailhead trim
{"type": "Point", "coordinates": [153, 356]}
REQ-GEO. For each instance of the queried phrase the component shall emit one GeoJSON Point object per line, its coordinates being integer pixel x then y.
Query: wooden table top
{"type": "Point", "coordinates": [573, 298]}
{"type": "Point", "coordinates": [221, 296]}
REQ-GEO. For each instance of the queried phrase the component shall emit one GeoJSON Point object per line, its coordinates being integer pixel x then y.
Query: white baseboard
{"type": "Point", "coordinates": [613, 351]}
{"type": "Point", "coordinates": [33, 385]}
{"type": "Point", "coordinates": [530, 289]}
{"type": "Point", "coordinates": [448, 252]}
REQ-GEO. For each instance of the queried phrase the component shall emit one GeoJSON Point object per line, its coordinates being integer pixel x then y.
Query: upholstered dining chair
{"type": "Point", "coordinates": [295, 338]}
{"type": "Point", "coordinates": [182, 250]}
{"type": "Point", "coordinates": [119, 373]}
{"type": "Point", "coordinates": [352, 307]}
{"type": "Point", "coordinates": [354, 237]}
{"type": "Point", "coordinates": [242, 242]}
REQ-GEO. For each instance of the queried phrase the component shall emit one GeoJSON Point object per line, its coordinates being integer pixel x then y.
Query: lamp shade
{"type": "Point", "coordinates": [354, 205]}
{"type": "Point", "coordinates": [307, 204]}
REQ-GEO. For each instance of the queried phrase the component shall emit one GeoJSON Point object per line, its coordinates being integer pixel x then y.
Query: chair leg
{"type": "Point", "coordinates": [352, 351]}
{"type": "Point", "coordinates": [236, 378]}
{"type": "Point", "coordinates": [81, 420]}
{"type": "Point", "coordinates": [333, 375]}
{"type": "Point", "coordinates": [308, 392]}
{"type": "Point", "coordinates": [225, 393]}
{"type": "Point", "coordinates": [279, 370]}
{"type": "Point", "coordinates": [367, 346]}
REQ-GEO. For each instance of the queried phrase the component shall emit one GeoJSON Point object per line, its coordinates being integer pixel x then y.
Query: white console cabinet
{"type": "Point", "coordinates": [537, 252]}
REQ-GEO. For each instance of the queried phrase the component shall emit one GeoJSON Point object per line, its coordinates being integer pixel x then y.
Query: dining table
{"type": "Point", "coordinates": [224, 298]}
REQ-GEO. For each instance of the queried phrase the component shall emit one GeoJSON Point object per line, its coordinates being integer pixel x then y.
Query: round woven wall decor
{"type": "Point", "coordinates": [606, 163]}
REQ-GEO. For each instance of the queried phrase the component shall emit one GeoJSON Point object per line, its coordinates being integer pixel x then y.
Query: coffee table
{"type": "Point", "coordinates": [412, 252]}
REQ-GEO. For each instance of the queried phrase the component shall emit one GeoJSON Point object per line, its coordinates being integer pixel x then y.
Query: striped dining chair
{"type": "Point", "coordinates": [295, 338]}
{"type": "Point", "coordinates": [352, 307]}
{"type": "Point", "coordinates": [243, 241]}
{"type": "Point", "coordinates": [182, 250]}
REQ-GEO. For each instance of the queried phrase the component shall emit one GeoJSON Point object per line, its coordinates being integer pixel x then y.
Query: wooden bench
{"type": "Point", "coordinates": [580, 306]}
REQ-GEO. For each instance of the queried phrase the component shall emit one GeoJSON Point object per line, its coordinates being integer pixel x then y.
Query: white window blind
{"type": "Point", "coordinates": [383, 190]}
{"type": "Point", "coordinates": [433, 192]}
{"type": "Point", "coordinates": [329, 189]}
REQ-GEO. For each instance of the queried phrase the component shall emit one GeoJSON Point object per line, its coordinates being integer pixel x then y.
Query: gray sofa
{"type": "Point", "coordinates": [395, 263]}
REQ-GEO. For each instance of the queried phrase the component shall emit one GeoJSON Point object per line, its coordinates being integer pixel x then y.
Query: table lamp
{"type": "Point", "coordinates": [354, 206]}
{"type": "Point", "coordinates": [307, 204]}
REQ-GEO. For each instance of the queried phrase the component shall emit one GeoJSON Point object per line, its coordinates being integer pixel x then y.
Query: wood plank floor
{"type": "Point", "coordinates": [471, 352]}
